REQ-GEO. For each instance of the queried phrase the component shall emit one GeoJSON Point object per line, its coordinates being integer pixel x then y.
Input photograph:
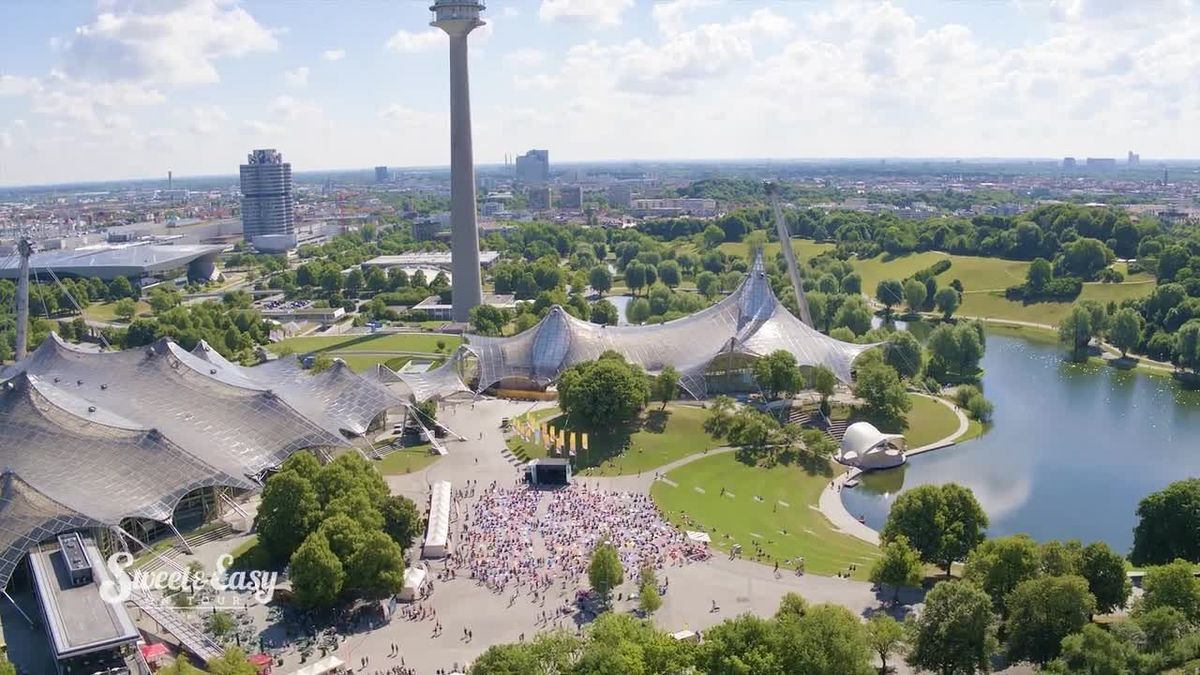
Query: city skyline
{"type": "Point", "coordinates": [122, 90]}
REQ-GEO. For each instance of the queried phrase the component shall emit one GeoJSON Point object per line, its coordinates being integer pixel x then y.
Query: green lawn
{"type": "Point", "coordinates": [659, 437]}
{"type": "Point", "coordinates": [993, 304]}
{"type": "Point", "coordinates": [804, 248]}
{"type": "Point", "coordinates": [784, 530]}
{"type": "Point", "coordinates": [104, 311]}
{"type": "Point", "coordinates": [527, 451]}
{"type": "Point", "coordinates": [928, 421]}
{"type": "Point", "coordinates": [408, 460]}
{"type": "Point", "coordinates": [390, 342]}
{"type": "Point", "coordinates": [984, 281]}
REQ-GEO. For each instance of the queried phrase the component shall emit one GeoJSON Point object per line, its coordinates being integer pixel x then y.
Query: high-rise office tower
{"type": "Point", "coordinates": [533, 167]}
{"type": "Point", "coordinates": [381, 174]}
{"type": "Point", "coordinates": [458, 18]}
{"type": "Point", "coordinates": [268, 221]}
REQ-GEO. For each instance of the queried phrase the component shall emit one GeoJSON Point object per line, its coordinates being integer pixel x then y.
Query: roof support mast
{"type": "Point", "coordinates": [785, 238]}
{"type": "Point", "coordinates": [25, 249]}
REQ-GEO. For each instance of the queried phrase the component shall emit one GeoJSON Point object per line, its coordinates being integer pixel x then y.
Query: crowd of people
{"type": "Point", "coordinates": [579, 517]}
{"type": "Point", "coordinates": [518, 539]}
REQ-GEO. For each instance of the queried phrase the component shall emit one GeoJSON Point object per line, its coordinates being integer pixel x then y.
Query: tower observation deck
{"type": "Point", "coordinates": [458, 18]}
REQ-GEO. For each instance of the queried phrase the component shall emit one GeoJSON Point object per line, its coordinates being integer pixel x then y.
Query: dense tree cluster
{"type": "Point", "coordinates": [799, 639]}
{"type": "Point", "coordinates": [603, 393]}
{"type": "Point", "coordinates": [339, 528]}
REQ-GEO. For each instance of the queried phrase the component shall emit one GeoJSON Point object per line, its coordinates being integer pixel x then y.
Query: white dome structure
{"type": "Point", "coordinates": [865, 447]}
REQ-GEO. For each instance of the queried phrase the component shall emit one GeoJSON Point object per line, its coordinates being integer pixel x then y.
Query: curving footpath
{"type": "Point", "coordinates": [831, 506]}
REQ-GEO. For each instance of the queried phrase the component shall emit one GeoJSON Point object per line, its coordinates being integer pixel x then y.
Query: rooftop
{"type": "Point", "coordinates": [78, 620]}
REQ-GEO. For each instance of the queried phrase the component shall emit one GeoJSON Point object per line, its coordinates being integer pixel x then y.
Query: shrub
{"type": "Point", "coordinates": [980, 408]}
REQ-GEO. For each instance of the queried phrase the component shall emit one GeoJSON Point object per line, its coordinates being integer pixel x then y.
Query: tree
{"type": "Point", "coordinates": [125, 308]}
{"type": "Point", "coordinates": [506, 659]}
{"type": "Point", "coordinates": [1172, 585]}
{"type": "Point", "coordinates": [219, 624]}
{"type": "Point", "coordinates": [1126, 330]}
{"type": "Point", "coordinates": [903, 352]}
{"type": "Point", "coordinates": [162, 299]}
{"type": "Point", "coordinates": [604, 571]}
{"type": "Point", "coordinates": [943, 523]}
{"type": "Point", "coordinates": [668, 273]}
{"type": "Point", "coordinates": [489, 319]}
{"type": "Point", "coordinates": [1085, 257]}
{"type": "Point", "coordinates": [1060, 559]}
{"type": "Point", "coordinates": [232, 662]}
{"type": "Point", "coordinates": [823, 381]}
{"type": "Point", "coordinates": [638, 311]}
{"type": "Point", "coordinates": [956, 632]}
{"type": "Point", "coordinates": [180, 666]}
{"type": "Point", "coordinates": [120, 288]}
{"type": "Point", "coordinates": [777, 374]}
{"type": "Point", "coordinates": [713, 236]}
{"type": "Point", "coordinates": [401, 520]}
{"type": "Point", "coordinates": [600, 279]}
{"type": "Point", "coordinates": [706, 283]}
{"type": "Point", "coordinates": [1161, 626]}
{"type": "Point", "coordinates": [854, 315]}
{"type": "Point", "coordinates": [1094, 651]}
{"type": "Point", "coordinates": [852, 283]}
{"type": "Point", "coordinates": [288, 512]}
{"type": "Point", "coordinates": [1076, 330]}
{"type": "Point", "coordinates": [355, 281]}
{"type": "Point", "coordinates": [898, 567]}
{"type": "Point", "coordinates": [886, 636]}
{"type": "Point", "coordinates": [1106, 578]}
{"type": "Point", "coordinates": [1041, 612]}
{"type": "Point", "coordinates": [889, 293]}
{"type": "Point", "coordinates": [648, 598]}
{"type": "Point", "coordinates": [1187, 346]}
{"type": "Point", "coordinates": [603, 393]}
{"type": "Point", "coordinates": [827, 639]}
{"type": "Point", "coordinates": [635, 276]}
{"type": "Point", "coordinates": [1039, 275]}
{"type": "Point", "coordinates": [882, 393]}
{"type": "Point", "coordinates": [999, 565]}
{"type": "Point", "coordinates": [955, 352]}
{"type": "Point", "coordinates": [1168, 521]}
{"type": "Point", "coordinates": [914, 295]}
{"type": "Point", "coordinates": [947, 300]}
{"type": "Point", "coordinates": [665, 385]}
{"type": "Point", "coordinates": [376, 569]}
{"type": "Point", "coordinates": [316, 573]}
{"type": "Point", "coordinates": [605, 313]}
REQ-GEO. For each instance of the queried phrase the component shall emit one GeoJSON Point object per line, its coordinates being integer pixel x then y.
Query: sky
{"type": "Point", "coordinates": [113, 89]}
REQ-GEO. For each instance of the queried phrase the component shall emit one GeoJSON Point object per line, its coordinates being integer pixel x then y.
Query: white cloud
{"type": "Point", "coordinates": [297, 77]}
{"type": "Point", "coordinates": [290, 109]}
{"type": "Point", "coordinates": [208, 119]}
{"type": "Point", "coordinates": [179, 45]}
{"type": "Point", "coordinates": [406, 42]}
{"type": "Point", "coordinates": [6, 140]}
{"type": "Point", "coordinates": [511, 12]}
{"type": "Point", "coordinates": [15, 85]}
{"type": "Point", "coordinates": [525, 57]}
{"type": "Point", "coordinates": [333, 54]}
{"type": "Point", "coordinates": [669, 16]}
{"type": "Point", "coordinates": [597, 12]}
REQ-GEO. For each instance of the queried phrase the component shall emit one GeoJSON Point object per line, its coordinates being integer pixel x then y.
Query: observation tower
{"type": "Point", "coordinates": [458, 18]}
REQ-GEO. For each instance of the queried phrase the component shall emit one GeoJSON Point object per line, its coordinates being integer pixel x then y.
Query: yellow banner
{"type": "Point", "coordinates": [583, 441]}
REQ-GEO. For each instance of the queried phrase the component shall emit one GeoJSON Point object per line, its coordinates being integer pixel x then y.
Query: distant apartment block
{"type": "Point", "coordinates": [533, 167]}
{"type": "Point", "coordinates": [1069, 163]}
{"type": "Point", "coordinates": [539, 198]}
{"type": "Point", "coordinates": [1133, 159]}
{"type": "Point", "coordinates": [620, 196]}
{"type": "Point", "coordinates": [570, 198]}
{"type": "Point", "coordinates": [268, 213]}
{"type": "Point", "coordinates": [381, 174]}
{"type": "Point", "coordinates": [1102, 163]}
{"type": "Point", "coordinates": [674, 207]}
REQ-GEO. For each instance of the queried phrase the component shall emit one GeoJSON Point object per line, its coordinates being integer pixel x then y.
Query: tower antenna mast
{"type": "Point", "coordinates": [25, 249]}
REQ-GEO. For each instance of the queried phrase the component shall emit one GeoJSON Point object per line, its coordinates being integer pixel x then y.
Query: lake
{"type": "Point", "coordinates": [1072, 449]}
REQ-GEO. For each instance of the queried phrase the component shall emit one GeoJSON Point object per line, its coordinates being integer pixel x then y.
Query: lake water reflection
{"type": "Point", "coordinates": [1072, 450]}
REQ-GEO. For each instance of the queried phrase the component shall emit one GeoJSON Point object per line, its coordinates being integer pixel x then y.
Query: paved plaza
{"type": "Point", "coordinates": [493, 615]}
